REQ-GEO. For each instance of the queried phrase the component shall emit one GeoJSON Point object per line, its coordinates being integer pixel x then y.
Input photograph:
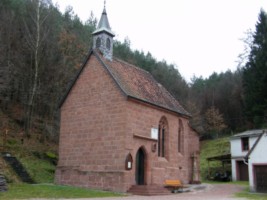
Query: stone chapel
{"type": "Point", "coordinates": [120, 128]}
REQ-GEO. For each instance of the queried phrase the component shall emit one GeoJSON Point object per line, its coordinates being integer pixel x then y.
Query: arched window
{"type": "Point", "coordinates": [180, 137]}
{"type": "Point", "coordinates": [98, 42]}
{"type": "Point", "coordinates": [108, 43]}
{"type": "Point", "coordinates": [162, 136]}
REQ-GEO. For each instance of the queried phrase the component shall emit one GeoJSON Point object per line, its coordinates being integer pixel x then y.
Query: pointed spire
{"type": "Point", "coordinates": [103, 24]}
{"type": "Point", "coordinates": [103, 36]}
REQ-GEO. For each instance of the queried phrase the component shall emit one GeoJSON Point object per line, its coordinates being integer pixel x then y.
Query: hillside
{"type": "Point", "coordinates": [36, 155]}
{"type": "Point", "coordinates": [211, 148]}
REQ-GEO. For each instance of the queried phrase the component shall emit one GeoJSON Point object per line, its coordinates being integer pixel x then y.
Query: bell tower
{"type": "Point", "coordinates": [103, 36]}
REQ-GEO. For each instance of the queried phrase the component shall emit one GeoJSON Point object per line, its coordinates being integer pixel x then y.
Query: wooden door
{"type": "Point", "coordinates": [242, 169]}
{"type": "Point", "coordinates": [260, 173]}
{"type": "Point", "coordinates": [140, 167]}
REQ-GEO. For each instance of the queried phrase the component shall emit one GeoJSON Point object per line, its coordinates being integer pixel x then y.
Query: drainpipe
{"type": "Point", "coordinates": [245, 161]}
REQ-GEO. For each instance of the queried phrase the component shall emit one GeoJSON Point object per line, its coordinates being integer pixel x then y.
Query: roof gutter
{"type": "Point", "coordinates": [245, 160]}
{"type": "Point", "coordinates": [147, 102]}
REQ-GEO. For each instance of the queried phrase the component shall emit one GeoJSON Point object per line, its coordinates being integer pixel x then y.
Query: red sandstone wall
{"type": "Point", "coordinates": [194, 145]}
{"type": "Point", "coordinates": [92, 132]}
{"type": "Point", "coordinates": [140, 120]}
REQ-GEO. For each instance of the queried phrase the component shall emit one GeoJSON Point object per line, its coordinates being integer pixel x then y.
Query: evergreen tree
{"type": "Point", "coordinates": [255, 75]}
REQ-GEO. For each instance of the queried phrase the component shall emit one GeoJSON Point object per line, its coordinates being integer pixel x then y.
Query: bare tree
{"type": "Point", "coordinates": [214, 121]}
{"type": "Point", "coordinates": [248, 41]}
{"type": "Point", "coordinates": [35, 37]}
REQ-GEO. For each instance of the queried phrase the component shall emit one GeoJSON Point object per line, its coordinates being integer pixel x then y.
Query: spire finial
{"type": "Point", "coordinates": [105, 3]}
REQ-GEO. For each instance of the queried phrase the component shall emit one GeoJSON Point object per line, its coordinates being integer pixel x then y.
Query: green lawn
{"type": "Point", "coordinates": [27, 191]}
{"type": "Point", "coordinates": [40, 170]}
{"type": "Point", "coordinates": [248, 195]}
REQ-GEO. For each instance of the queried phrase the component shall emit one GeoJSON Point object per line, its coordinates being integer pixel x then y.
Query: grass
{"type": "Point", "coordinates": [248, 195]}
{"type": "Point", "coordinates": [243, 183]}
{"type": "Point", "coordinates": [36, 157]}
{"type": "Point", "coordinates": [40, 170]}
{"type": "Point", "coordinates": [28, 191]}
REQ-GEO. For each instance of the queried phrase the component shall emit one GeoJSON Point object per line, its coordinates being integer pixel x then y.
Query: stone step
{"type": "Point", "coordinates": [3, 184]}
{"type": "Point", "coordinates": [148, 190]}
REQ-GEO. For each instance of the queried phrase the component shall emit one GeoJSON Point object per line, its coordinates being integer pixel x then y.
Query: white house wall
{"type": "Point", "coordinates": [234, 175]}
{"type": "Point", "coordinates": [258, 156]}
{"type": "Point", "coordinates": [236, 146]}
{"type": "Point", "coordinates": [237, 153]}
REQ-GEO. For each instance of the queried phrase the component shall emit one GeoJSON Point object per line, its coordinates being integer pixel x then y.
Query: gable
{"type": "Point", "coordinates": [259, 149]}
{"type": "Point", "coordinates": [135, 83]}
{"type": "Point", "coordinates": [93, 83]}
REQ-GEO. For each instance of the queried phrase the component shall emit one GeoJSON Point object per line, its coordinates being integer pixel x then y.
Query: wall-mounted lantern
{"type": "Point", "coordinates": [129, 162]}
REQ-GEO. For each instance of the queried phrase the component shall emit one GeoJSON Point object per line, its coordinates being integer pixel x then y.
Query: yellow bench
{"type": "Point", "coordinates": [175, 184]}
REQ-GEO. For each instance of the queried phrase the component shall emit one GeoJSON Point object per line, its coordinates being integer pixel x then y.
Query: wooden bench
{"type": "Point", "coordinates": [176, 185]}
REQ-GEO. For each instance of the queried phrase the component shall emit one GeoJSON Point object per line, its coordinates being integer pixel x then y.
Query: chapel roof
{"type": "Point", "coordinates": [136, 83]}
{"type": "Point", "coordinates": [140, 84]}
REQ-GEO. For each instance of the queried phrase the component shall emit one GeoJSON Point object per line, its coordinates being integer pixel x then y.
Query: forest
{"type": "Point", "coordinates": [41, 49]}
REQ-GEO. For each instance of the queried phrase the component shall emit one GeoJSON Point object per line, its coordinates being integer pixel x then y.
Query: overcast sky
{"type": "Point", "coordinates": [199, 36]}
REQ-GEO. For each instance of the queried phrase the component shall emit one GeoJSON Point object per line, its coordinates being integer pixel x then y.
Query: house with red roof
{"type": "Point", "coordinates": [120, 128]}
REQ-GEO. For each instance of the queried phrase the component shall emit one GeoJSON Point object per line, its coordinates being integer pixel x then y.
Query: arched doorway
{"type": "Point", "coordinates": [140, 167]}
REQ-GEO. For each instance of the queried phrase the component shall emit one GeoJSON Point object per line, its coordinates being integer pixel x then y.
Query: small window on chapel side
{"type": "Point", "coordinates": [108, 43]}
{"type": "Point", "coordinates": [181, 137]}
{"type": "Point", "coordinates": [98, 42]}
{"type": "Point", "coordinates": [162, 136]}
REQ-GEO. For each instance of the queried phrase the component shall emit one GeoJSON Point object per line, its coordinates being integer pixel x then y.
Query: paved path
{"type": "Point", "coordinates": [211, 192]}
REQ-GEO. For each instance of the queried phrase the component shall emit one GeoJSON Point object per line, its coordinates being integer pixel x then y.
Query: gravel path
{"type": "Point", "coordinates": [211, 192]}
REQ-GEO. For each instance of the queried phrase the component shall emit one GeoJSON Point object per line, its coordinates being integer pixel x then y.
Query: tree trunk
{"type": "Point", "coordinates": [36, 70]}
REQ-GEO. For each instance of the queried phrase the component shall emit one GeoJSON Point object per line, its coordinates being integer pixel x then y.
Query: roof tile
{"type": "Point", "coordinates": [140, 84]}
